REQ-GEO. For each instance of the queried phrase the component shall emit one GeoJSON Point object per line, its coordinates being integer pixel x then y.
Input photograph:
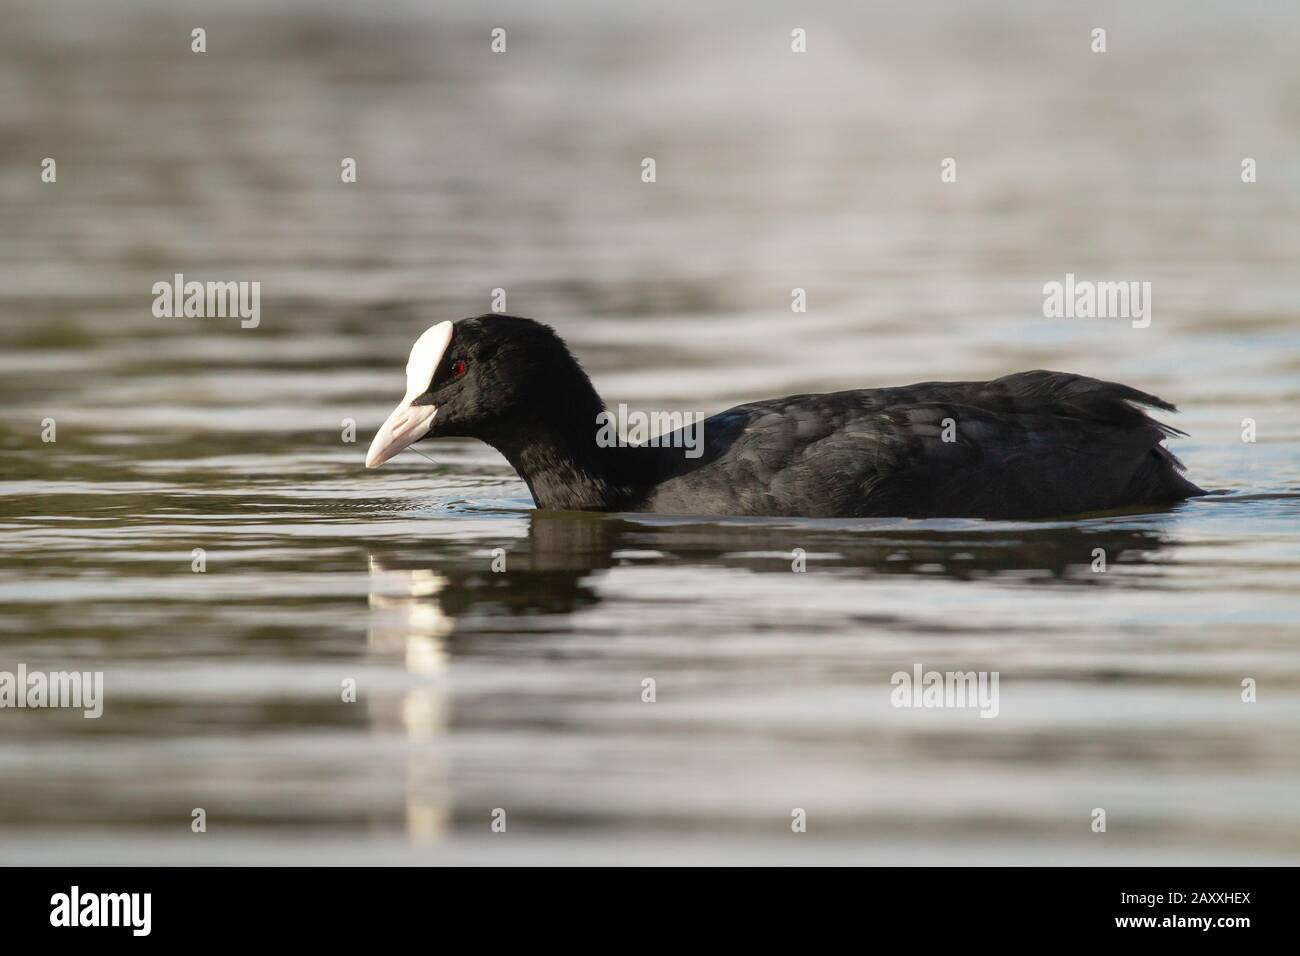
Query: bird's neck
{"type": "Point", "coordinates": [558, 456]}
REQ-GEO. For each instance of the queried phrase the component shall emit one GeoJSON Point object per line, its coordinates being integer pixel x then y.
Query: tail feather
{"type": "Point", "coordinates": [1091, 398]}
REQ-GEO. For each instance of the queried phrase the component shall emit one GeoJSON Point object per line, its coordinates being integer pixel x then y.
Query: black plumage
{"type": "Point", "coordinates": [1029, 445]}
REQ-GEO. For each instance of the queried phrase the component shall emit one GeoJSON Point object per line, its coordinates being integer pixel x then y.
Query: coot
{"type": "Point", "coordinates": [1030, 445]}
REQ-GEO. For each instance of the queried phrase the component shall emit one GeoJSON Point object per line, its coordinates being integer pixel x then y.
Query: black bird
{"type": "Point", "coordinates": [1030, 445]}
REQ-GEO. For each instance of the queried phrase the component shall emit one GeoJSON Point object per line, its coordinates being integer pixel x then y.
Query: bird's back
{"type": "Point", "coordinates": [1033, 444]}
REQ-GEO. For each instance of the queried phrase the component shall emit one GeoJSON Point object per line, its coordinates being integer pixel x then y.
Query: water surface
{"type": "Point", "coordinates": [522, 690]}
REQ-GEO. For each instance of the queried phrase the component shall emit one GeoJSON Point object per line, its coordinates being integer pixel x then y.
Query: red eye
{"type": "Point", "coordinates": [457, 369]}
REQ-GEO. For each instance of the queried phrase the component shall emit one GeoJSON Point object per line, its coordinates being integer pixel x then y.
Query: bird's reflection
{"type": "Point", "coordinates": [417, 595]}
{"type": "Point", "coordinates": [431, 605]}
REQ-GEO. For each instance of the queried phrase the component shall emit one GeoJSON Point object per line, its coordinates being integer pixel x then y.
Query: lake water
{"type": "Point", "coordinates": [522, 691]}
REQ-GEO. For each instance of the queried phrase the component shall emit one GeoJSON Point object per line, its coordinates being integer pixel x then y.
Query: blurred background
{"type": "Point", "coordinates": [522, 691]}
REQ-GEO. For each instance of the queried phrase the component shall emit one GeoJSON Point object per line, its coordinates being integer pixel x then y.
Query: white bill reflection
{"type": "Point", "coordinates": [407, 624]}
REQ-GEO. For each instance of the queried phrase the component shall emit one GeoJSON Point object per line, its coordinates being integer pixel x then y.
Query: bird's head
{"type": "Point", "coordinates": [484, 377]}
